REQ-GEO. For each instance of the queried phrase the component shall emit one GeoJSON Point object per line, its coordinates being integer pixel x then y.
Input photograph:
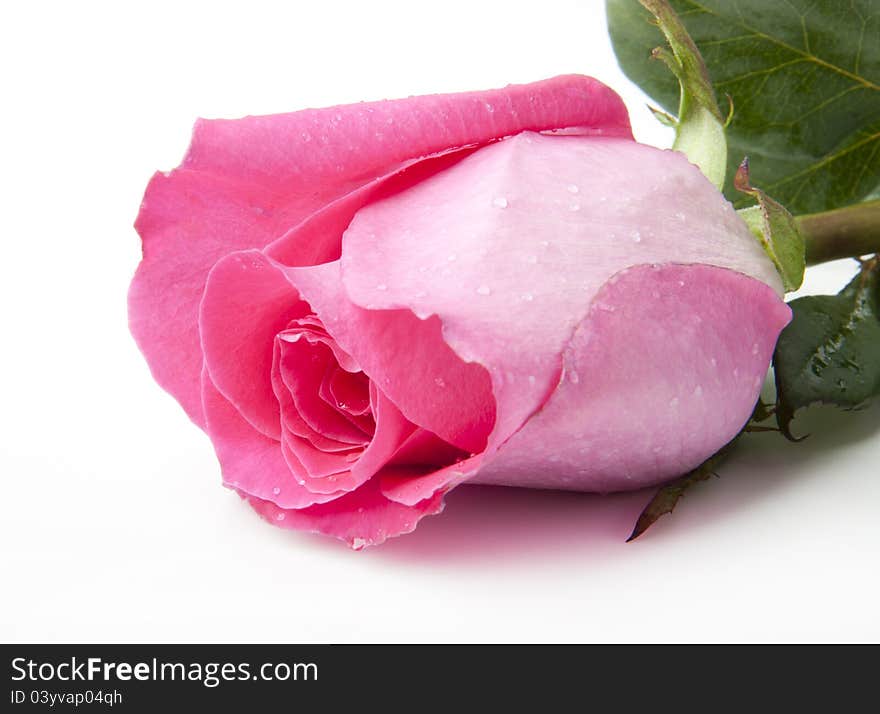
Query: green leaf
{"type": "Point", "coordinates": [804, 77]}
{"type": "Point", "coordinates": [775, 228]}
{"type": "Point", "coordinates": [830, 353]}
{"type": "Point", "coordinates": [699, 127]}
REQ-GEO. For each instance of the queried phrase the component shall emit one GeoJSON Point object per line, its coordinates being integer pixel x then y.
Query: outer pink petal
{"type": "Point", "coordinates": [246, 303]}
{"type": "Point", "coordinates": [251, 462]}
{"type": "Point", "coordinates": [360, 518]}
{"type": "Point", "coordinates": [246, 182]}
{"type": "Point", "coordinates": [509, 247]}
{"type": "Point", "coordinates": [664, 371]}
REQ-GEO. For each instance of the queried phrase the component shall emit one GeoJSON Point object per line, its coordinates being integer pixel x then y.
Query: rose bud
{"type": "Point", "coordinates": [366, 306]}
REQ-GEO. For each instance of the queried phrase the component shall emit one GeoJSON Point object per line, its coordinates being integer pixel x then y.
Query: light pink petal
{"type": "Point", "coordinates": [360, 518]}
{"type": "Point", "coordinates": [665, 369]}
{"type": "Point", "coordinates": [246, 182]}
{"type": "Point", "coordinates": [247, 302]}
{"type": "Point", "coordinates": [251, 462]}
{"type": "Point", "coordinates": [509, 247]}
{"type": "Point", "coordinates": [407, 358]}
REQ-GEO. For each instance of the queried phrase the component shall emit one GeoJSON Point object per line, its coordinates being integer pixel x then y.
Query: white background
{"type": "Point", "coordinates": [114, 526]}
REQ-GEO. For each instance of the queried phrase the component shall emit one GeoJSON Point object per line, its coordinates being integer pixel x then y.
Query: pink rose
{"type": "Point", "coordinates": [365, 306]}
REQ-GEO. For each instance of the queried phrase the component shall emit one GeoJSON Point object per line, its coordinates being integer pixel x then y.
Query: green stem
{"type": "Point", "coordinates": [842, 233]}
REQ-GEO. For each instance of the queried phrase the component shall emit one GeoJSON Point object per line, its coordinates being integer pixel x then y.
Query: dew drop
{"type": "Point", "coordinates": [680, 216]}
{"type": "Point", "coordinates": [358, 543]}
{"type": "Point", "coordinates": [574, 206]}
{"type": "Point", "coordinates": [361, 509]}
{"type": "Point", "coordinates": [421, 294]}
{"type": "Point", "coordinates": [483, 290]}
{"type": "Point", "coordinates": [532, 380]}
{"type": "Point", "coordinates": [280, 516]}
{"type": "Point", "coordinates": [681, 283]}
{"type": "Point", "coordinates": [527, 297]}
{"type": "Point", "coordinates": [451, 257]}
{"type": "Point", "coordinates": [499, 202]}
{"type": "Point", "coordinates": [636, 236]}
{"type": "Point", "coordinates": [572, 188]}
{"type": "Point", "coordinates": [755, 348]}
{"type": "Point", "coordinates": [276, 490]}
{"type": "Point", "coordinates": [698, 391]}
{"type": "Point", "coordinates": [381, 286]}
{"type": "Point", "coordinates": [574, 377]}
{"type": "Point", "coordinates": [489, 108]}
{"type": "Point", "coordinates": [439, 381]}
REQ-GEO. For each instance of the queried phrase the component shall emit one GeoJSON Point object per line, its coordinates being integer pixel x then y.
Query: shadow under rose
{"type": "Point", "coordinates": [763, 464]}
{"type": "Point", "coordinates": [497, 526]}
{"type": "Point", "coordinates": [483, 524]}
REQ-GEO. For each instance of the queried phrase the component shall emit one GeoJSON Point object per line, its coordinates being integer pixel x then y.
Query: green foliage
{"type": "Point", "coordinates": [830, 353]}
{"type": "Point", "coordinates": [804, 78]}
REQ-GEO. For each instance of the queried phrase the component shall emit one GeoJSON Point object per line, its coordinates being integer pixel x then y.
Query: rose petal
{"type": "Point", "coordinates": [360, 518]}
{"type": "Point", "coordinates": [246, 182]}
{"type": "Point", "coordinates": [531, 227]}
{"type": "Point", "coordinates": [664, 371]}
{"type": "Point", "coordinates": [247, 302]}
{"type": "Point", "coordinates": [407, 358]}
{"type": "Point", "coordinates": [251, 462]}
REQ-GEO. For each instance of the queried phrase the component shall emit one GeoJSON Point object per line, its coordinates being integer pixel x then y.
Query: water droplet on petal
{"type": "Point", "coordinates": [527, 297]}
{"type": "Point", "coordinates": [532, 380]}
{"type": "Point", "coordinates": [381, 286]}
{"type": "Point", "coordinates": [358, 543]}
{"type": "Point", "coordinates": [451, 257]}
{"type": "Point", "coordinates": [698, 391]}
{"type": "Point", "coordinates": [572, 188]}
{"type": "Point", "coordinates": [484, 290]}
{"type": "Point", "coordinates": [574, 206]}
{"type": "Point", "coordinates": [499, 202]}
{"type": "Point", "coordinates": [680, 216]}
{"type": "Point", "coordinates": [755, 348]}
{"type": "Point", "coordinates": [280, 516]}
{"type": "Point", "coordinates": [276, 490]}
{"type": "Point", "coordinates": [439, 381]}
{"type": "Point", "coordinates": [636, 236]}
{"type": "Point", "coordinates": [574, 377]}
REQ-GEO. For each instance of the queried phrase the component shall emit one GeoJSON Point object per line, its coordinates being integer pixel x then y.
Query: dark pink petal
{"type": "Point", "coordinates": [246, 182]}
{"type": "Point", "coordinates": [292, 422]}
{"type": "Point", "coordinates": [360, 518]}
{"type": "Point", "coordinates": [247, 302]}
{"type": "Point", "coordinates": [251, 462]}
{"type": "Point", "coordinates": [664, 371]}
{"type": "Point", "coordinates": [347, 391]}
{"type": "Point", "coordinates": [411, 488]}
{"type": "Point", "coordinates": [423, 448]}
{"type": "Point", "coordinates": [302, 365]}
{"type": "Point", "coordinates": [336, 150]}
{"type": "Point", "coordinates": [407, 358]}
{"type": "Point", "coordinates": [188, 221]}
